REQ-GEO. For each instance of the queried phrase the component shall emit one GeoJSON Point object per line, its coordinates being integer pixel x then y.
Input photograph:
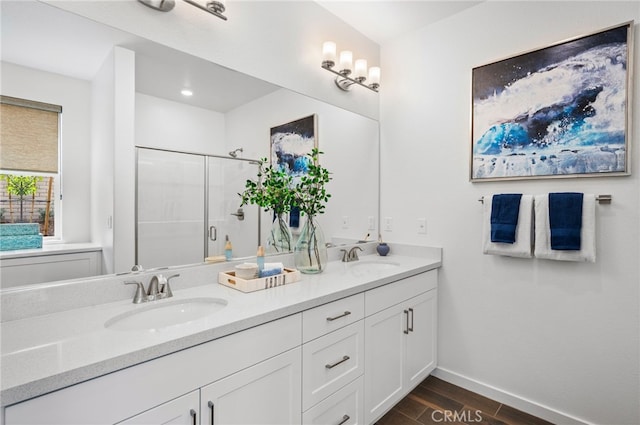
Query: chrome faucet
{"type": "Point", "coordinates": [158, 289]}
{"type": "Point", "coordinates": [351, 255]}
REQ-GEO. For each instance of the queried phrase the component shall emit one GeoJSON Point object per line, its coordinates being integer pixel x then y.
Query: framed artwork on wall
{"type": "Point", "coordinates": [560, 111]}
{"type": "Point", "coordinates": [291, 143]}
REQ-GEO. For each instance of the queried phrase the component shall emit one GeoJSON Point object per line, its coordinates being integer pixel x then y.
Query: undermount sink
{"type": "Point", "coordinates": [163, 314]}
{"type": "Point", "coordinates": [362, 267]}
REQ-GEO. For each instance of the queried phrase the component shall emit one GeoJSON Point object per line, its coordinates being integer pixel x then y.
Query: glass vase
{"type": "Point", "coordinates": [279, 239]}
{"type": "Point", "coordinates": [310, 252]}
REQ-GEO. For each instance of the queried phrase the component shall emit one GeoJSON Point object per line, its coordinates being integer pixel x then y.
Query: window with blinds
{"type": "Point", "coordinates": [28, 135]}
{"type": "Point", "coordinates": [29, 144]}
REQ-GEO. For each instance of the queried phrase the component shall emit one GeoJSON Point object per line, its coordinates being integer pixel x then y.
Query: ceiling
{"type": "Point", "coordinates": [383, 20]}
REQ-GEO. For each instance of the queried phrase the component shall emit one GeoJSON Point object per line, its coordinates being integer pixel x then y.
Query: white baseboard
{"type": "Point", "coordinates": [507, 398]}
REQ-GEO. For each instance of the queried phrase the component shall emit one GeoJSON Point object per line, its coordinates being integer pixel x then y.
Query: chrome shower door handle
{"type": "Point", "coordinates": [213, 233]}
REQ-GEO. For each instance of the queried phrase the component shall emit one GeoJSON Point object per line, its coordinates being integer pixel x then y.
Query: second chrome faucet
{"type": "Point", "coordinates": [158, 289]}
{"type": "Point", "coordinates": [351, 255]}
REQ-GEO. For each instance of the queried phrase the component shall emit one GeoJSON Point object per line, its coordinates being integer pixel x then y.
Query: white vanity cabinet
{"type": "Point", "coordinates": [267, 394]}
{"type": "Point", "coordinates": [181, 411]}
{"type": "Point", "coordinates": [346, 362]}
{"type": "Point", "coordinates": [333, 362]}
{"type": "Point", "coordinates": [400, 340]}
{"type": "Point", "coordinates": [271, 388]}
{"type": "Point", "coordinates": [238, 372]}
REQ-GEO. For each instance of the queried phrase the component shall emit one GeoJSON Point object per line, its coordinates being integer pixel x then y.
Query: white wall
{"type": "Point", "coordinates": [102, 169]}
{"type": "Point", "coordinates": [74, 96]}
{"type": "Point", "coordinates": [558, 339]}
{"type": "Point", "coordinates": [113, 160]}
{"type": "Point", "coordinates": [165, 124]}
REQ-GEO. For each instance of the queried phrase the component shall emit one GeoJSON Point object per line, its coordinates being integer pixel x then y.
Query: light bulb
{"type": "Point", "coordinates": [328, 54]}
{"type": "Point", "coordinates": [346, 62]}
{"type": "Point", "coordinates": [360, 72]}
{"type": "Point", "coordinates": [374, 76]}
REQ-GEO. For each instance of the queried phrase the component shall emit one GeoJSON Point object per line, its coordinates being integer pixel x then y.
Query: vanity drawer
{"type": "Point", "coordinates": [393, 293]}
{"type": "Point", "coordinates": [329, 317]}
{"type": "Point", "coordinates": [345, 407]}
{"type": "Point", "coordinates": [330, 362]}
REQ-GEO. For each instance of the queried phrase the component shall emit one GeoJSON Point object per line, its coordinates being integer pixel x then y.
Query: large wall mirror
{"type": "Point", "coordinates": [53, 56]}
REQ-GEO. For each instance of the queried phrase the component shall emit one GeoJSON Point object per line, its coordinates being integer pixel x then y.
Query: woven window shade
{"type": "Point", "coordinates": [28, 135]}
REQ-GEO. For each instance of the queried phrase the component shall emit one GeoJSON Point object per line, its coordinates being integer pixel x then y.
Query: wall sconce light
{"type": "Point", "coordinates": [344, 81]}
{"type": "Point", "coordinates": [215, 7]}
{"type": "Point", "coordinates": [161, 5]}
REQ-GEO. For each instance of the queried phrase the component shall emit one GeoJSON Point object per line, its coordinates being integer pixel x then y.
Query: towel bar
{"type": "Point", "coordinates": [603, 199]}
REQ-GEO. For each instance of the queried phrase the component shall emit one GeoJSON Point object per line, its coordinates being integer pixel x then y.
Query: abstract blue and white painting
{"type": "Point", "coordinates": [291, 143]}
{"type": "Point", "coordinates": [561, 110]}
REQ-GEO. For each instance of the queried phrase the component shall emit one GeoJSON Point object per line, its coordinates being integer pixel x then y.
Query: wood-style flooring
{"type": "Point", "coordinates": [435, 401]}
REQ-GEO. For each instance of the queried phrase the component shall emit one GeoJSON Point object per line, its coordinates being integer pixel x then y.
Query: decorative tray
{"type": "Point", "coordinates": [231, 280]}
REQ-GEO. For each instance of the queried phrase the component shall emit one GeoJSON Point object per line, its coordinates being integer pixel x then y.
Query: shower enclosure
{"type": "Point", "coordinates": [187, 204]}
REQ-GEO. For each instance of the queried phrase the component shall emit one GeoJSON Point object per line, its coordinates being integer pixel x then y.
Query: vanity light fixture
{"type": "Point", "coordinates": [186, 92]}
{"type": "Point", "coordinates": [215, 7]}
{"type": "Point", "coordinates": [344, 80]}
{"type": "Point", "coordinates": [161, 5]}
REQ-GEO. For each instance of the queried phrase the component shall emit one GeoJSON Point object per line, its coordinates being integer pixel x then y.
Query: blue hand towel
{"type": "Point", "coordinates": [565, 220]}
{"type": "Point", "coordinates": [504, 217]}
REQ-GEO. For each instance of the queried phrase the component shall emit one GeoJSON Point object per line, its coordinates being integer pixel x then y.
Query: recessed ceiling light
{"type": "Point", "coordinates": [187, 92]}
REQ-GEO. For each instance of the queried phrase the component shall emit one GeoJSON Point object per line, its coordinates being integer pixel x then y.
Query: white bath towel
{"type": "Point", "coordinates": [522, 246]}
{"type": "Point", "coordinates": [587, 252]}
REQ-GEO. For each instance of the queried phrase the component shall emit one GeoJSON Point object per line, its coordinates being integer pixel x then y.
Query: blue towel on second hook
{"type": "Point", "coordinates": [504, 217]}
{"type": "Point", "coordinates": [565, 220]}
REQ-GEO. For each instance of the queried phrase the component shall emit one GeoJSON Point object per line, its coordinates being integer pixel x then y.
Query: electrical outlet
{"type": "Point", "coordinates": [345, 221]}
{"type": "Point", "coordinates": [422, 226]}
{"type": "Point", "coordinates": [372, 223]}
{"type": "Point", "coordinates": [388, 224]}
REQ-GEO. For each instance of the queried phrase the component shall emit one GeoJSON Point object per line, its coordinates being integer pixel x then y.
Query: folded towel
{"type": "Point", "coordinates": [565, 220]}
{"type": "Point", "coordinates": [504, 217]}
{"type": "Point", "coordinates": [271, 269]}
{"type": "Point", "coordinates": [587, 252]}
{"type": "Point", "coordinates": [523, 237]}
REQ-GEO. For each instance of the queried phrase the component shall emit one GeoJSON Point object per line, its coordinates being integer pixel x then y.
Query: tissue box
{"type": "Point", "coordinates": [10, 243]}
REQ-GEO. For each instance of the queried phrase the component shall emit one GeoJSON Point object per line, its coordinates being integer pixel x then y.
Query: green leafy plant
{"type": "Point", "coordinates": [310, 194]}
{"type": "Point", "coordinates": [271, 191]}
{"type": "Point", "coordinates": [21, 186]}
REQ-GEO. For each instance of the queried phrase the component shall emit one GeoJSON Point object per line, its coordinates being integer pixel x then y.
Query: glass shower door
{"type": "Point", "coordinates": [226, 179]}
{"type": "Point", "coordinates": [170, 208]}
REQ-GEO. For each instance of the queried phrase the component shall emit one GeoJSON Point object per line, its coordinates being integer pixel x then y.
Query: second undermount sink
{"type": "Point", "coordinates": [362, 267]}
{"type": "Point", "coordinates": [163, 314]}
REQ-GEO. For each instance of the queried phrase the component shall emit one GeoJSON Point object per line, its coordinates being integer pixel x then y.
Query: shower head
{"type": "Point", "coordinates": [234, 153]}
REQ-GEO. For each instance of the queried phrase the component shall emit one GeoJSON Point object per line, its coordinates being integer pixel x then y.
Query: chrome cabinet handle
{"type": "Point", "coordinates": [411, 327]}
{"type": "Point", "coordinates": [194, 416]}
{"type": "Point", "coordinates": [344, 420]}
{"type": "Point", "coordinates": [331, 319]}
{"type": "Point", "coordinates": [331, 366]}
{"type": "Point", "coordinates": [210, 404]}
{"type": "Point", "coordinates": [406, 330]}
{"type": "Point", "coordinates": [213, 233]}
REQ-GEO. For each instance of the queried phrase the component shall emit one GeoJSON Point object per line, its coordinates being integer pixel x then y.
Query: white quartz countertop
{"type": "Point", "coordinates": [44, 353]}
